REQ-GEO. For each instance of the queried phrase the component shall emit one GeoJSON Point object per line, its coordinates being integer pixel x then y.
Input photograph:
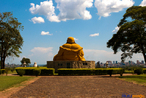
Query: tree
{"type": "Point", "coordinates": [10, 38]}
{"type": "Point", "coordinates": [26, 60]}
{"type": "Point", "coordinates": [131, 36]}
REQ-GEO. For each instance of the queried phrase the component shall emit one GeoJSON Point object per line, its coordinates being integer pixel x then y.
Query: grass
{"type": "Point", "coordinates": [140, 79]}
{"type": "Point", "coordinates": [9, 81]}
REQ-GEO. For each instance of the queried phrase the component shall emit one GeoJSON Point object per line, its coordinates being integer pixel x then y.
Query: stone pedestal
{"type": "Point", "coordinates": [70, 64]}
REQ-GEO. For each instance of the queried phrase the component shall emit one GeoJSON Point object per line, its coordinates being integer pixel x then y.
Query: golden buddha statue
{"type": "Point", "coordinates": [70, 52]}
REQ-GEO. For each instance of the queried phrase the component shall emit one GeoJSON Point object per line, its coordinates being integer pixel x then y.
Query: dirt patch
{"type": "Point", "coordinates": [79, 87]}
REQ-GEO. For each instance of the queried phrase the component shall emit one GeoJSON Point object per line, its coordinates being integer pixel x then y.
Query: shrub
{"type": "Point", "coordinates": [0, 71]}
{"type": "Point", "coordinates": [138, 71]}
{"type": "Point", "coordinates": [7, 70]}
{"type": "Point", "coordinates": [47, 71]}
{"type": "Point", "coordinates": [3, 71]}
{"type": "Point", "coordinates": [12, 69]}
{"type": "Point", "coordinates": [21, 72]}
{"type": "Point", "coordinates": [100, 71]}
{"type": "Point", "coordinates": [30, 70]}
{"type": "Point", "coordinates": [110, 71]}
{"type": "Point", "coordinates": [75, 71]}
{"type": "Point", "coordinates": [37, 72]}
{"type": "Point", "coordinates": [121, 72]}
{"type": "Point", "coordinates": [87, 71]}
{"type": "Point", "coordinates": [144, 70]}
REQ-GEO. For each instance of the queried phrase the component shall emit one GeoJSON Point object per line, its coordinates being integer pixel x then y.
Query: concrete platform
{"type": "Point", "coordinates": [70, 64]}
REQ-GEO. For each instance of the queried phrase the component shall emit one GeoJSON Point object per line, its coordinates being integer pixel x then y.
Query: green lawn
{"type": "Point", "coordinates": [9, 81]}
{"type": "Point", "coordinates": [140, 79]}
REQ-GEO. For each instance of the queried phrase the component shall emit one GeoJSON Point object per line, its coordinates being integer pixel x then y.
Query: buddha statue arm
{"type": "Point", "coordinates": [59, 55]}
{"type": "Point", "coordinates": [60, 52]}
{"type": "Point", "coordinates": [81, 55]}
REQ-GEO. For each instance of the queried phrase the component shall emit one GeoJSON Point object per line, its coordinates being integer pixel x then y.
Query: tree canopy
{"type": "Point", "coordinates": [26, 60]}
{"type": "Point", "coordinates": [131, 36]}
{"type": "Point", "coordinates": [10, 38]}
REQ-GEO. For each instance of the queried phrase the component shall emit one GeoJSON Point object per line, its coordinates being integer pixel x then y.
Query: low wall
{"type": "Point", "coordinates": [70, 64]}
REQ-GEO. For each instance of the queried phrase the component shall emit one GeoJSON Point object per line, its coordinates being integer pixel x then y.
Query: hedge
{"type": "Point", "coordinates": [87, 71]}
{"type": "Point", "coordinates": [73, 71]}
{"type": "Point", "coordinates": [144, 70]}
{"type": "Point", "coordinates": [2, 71]}
{"type": "Point", "coordinates": [30, 70]}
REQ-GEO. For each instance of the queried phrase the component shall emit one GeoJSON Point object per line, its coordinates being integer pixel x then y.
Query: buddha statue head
{"type": "Point", "coordinates": [70, 40]}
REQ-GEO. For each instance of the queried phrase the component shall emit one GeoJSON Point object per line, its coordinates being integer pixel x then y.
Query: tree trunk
{"type": "Point", "coordinates": [144, 55]}
{"type": "Point", "coordinates": [3, 64]}
{"type": "Point", "coordinates": [2, 58]}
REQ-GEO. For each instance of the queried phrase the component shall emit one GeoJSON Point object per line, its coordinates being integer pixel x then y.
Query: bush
{"type": "Point", "coordinates": [12, 69]}
{"type": "Point", "coordinates": [100, 71]}
{"type": "Point", "coordinates": [37, 72]}
{"type": "Point", "coordinates": [121, 72]}
{"type": "Point", "coordinates": [87, 71]}
{"type": "Point", "coordinates": [144, 70]}
{"type": "Point", "coordinates": [48, 71]}
{"type": "Point", "coordinates": [110, 71]}
{"type": "Point", "coordinates": [75, 71]}
{"type": "Point", "coordinates": [0, 71]}
{"type": "Point", "coordinates": [7, 70]}
{"type": "Point", "coordinates": [3, 71]}
{"type": "Point", "coordinates": [138, 71]}
{"type": "Point", "coordinates": [21, 72]}
{"type": "Point", "coordinates": [30, 70]}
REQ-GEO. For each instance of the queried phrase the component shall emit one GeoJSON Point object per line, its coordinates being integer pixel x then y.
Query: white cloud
{"type": "Point", "coordinates": [95, 34]}
{"type": "Point", "coordinates": [37, 20]}
{"type": "Point", "coordinates": [45, 8]}
{"type": "Point", "coordinates": [74, 9]}
{"type": "Point", "coordinates": [69, 9]}
{"type": "Point", "coordinates": [41, 49]}
{"type": "Point", "coordinates": [105, 7]}
{"type": "Point", "coordinates": [103, 56]}
{"type": "Point", "coordinates": [75, 38]}
{"type": "Point", "coordinates": [115, 30]}
{"type": "Point", "coordinates": [45, 33]}
{"type": "Point", "coordinates": [53, 18]}
{"type": "Point", "coordinates": [41, 55]}
{"type": "Point", "coordinates": [143, 3]}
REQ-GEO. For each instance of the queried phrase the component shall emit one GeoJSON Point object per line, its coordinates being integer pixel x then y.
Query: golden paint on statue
{"type": "Point", "coordinates": [70, 52]}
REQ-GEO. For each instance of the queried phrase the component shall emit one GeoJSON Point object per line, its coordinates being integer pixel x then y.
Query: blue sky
{"type": "Point", "coordinates": [48, 24]}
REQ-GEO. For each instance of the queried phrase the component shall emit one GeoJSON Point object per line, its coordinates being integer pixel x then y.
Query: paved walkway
{"type": "Point", "coordinates": [79, 87]}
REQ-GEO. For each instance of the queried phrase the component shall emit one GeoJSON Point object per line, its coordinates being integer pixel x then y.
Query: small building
{"type": "Point", "coordinates": [70, 64]}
